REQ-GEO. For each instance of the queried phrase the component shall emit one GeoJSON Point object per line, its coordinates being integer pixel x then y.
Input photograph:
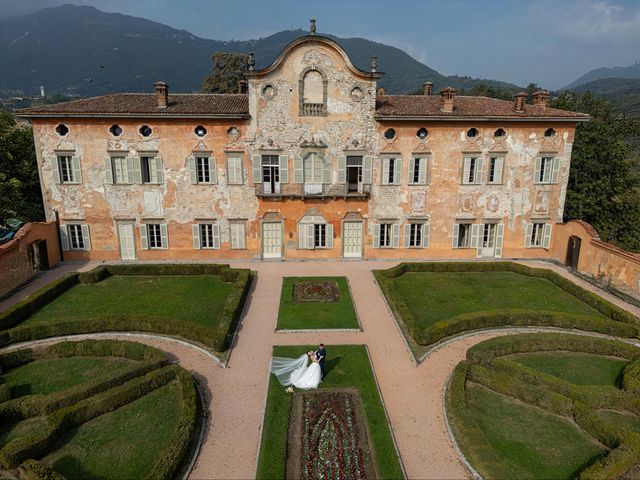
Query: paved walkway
{"type": "Point", "coordinates": [412, 395]}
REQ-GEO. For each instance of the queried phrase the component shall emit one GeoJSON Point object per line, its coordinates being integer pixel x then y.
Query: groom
{"type": "Point", "coordinates": [321, 354]}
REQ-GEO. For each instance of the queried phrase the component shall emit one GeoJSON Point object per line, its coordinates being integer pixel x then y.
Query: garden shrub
{"type": "Point", "coordinates": [596, 426]}
{"type": "Point", "coordinates": [94, 276]}
{"type": "Point", "coordinates": [631, 378]}
{"type": "Point", "coordinates": [37, 470]}
{"type": "Point", "coordinates": [16, 358]}
{"type": "Point", "coordinates": [613, 465]}
{"type": "Point", "coordinates": [5, 394]}
{"type": "Point", "coordinates": [101, 348]}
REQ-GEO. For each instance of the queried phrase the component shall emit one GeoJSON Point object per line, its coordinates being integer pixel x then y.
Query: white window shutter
{"type": "Point", "coordinates": [546, 239]}
{"type": "Point", "coordinates": [556, 170]}
{"type": "Point", "coordinates": [164, 235]}
{"type": "Point", "coordinates": [159, 170]}
{"type": "Point", "coordinates": [86, 238]}
{"type": "Point", "coordinates": [108, 170]}
{"type": "Point", "coordinates": [242, 235]}
{"type": "Point", "coordinates": [479, 170]}
{"type": "Point", "coordinates": [216, 235]}
{"type": "Point", "coordinates": [536, 174]}
{"type": "Point", "coordinates": [342, 169]}
{"type": "Point", "coordinates": [497, 172]}
{"type": "Point", "coordinates": [385, 171]}
{"type": "Point", "coordinates": [376, 236]}
{"type": "Point", "coordinates": [144, 243]}
{"type": "Point", "coordinates": [412, 166]}
{"type": "Point", "coordinates": [298, 176]}
{"type": "Point", "coordinates": [284, 168]}
{"type": "Point", "coordinates": [193, 173]}
{"type": "Point", "coordinates": [153, 171]}
{"type": "Point", "coordinates": [422, 171]}
{"type": "Point", "coordinates": [327, 169]}
{"type": "Point", "coordinates": [213, 170]}
{"type": "Point", "coordinates": [456, 234]}
{"type": "Point", "coordinates": [397, 174]}
{"type": "Point", "coordinates": [302, 236]}
{"type": "Point", "coordinates": [395, 235]}
{"type": "Point", "coordinates": [55, 169]}
{"type": "Point", "coordinates": [426, 229]}
{"type": "Point", "coordinates": [134, 164]}
{"type": "Point", "coordinates": [499, 240]}
{"type": "Point", "coordinates": [367, 171]}
{"type": "Point", "coordinates": [329, 234]}
{"type": "Point", "coordinates": [237, 235]}
{"type": "Point", "coordinates": [195, 232]}
{"type": "Point", "coordinates": [466, 170]}
{"type": "Point", "coordinates": [256, 166]}
{"type": "Point", "coordinates": [64, 237]}
{"type": "Point", "coordinates": [77, 171]}
{"type": "Point", "coordinates": [407, 235]}
{"type": "Point", "coordinates": [475, 235]}
{"type": "Point", "coordinates": [527, 234]}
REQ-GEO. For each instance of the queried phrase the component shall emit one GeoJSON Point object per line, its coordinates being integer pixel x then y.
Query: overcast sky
{"type": "Point", "coordinates": [549, 42]}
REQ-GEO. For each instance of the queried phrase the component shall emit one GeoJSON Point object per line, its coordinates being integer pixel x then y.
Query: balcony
{"type": "Point", "coordinates": [313, 191]}
{"type": "Point", "coordinates": [313, 109]}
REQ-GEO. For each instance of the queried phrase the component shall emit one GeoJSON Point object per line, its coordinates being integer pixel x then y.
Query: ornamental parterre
{"type": "Point", "coordinates": [306, 291]}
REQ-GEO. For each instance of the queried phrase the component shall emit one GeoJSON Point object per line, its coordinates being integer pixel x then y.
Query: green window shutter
{"type": "Point", "coordinates": [164, 235]}
{"type": "Point", "coordinates": [256, 164]}
{"type": "Point", "coordinates": [298, 176]}
{"type": "Point", "coordinates": [466, 170]}
{"type": "Point", "coordinates": [64, 237]}
{"type": "Point", "coordinates": [367, 170]}
{"type": "Point", "coordinates": [327, 169]}
{"type": "Point", "coordinates": [456, 234]}
{"type": "Point", "coordinates": [407, 235]}
{"type": "Point", "coordinates": [556, 170]}
{"type": "Point", "coordinates": [395, 235]}
{"type": "Point", "coordinates": [397, 174]}
{"type": "Point", "coordinates": [216, 235]}
{"type": "Point", "coordinates": [342, 169]}
{"type": "Point", "coordinates": [159, 170]}
{"type": "Point", "coordinates": [329, 234]}
{"type": "Point", "coordinates": [284, 168]}
{"type": "Point", "coordinates": [144, 244]}
{"type": "Point", "coordinates": [376, 236]}
{"type": "Point", "coordinates": [77, 171]}
{"type": "Point", "coordinates": [86, 238]}
{"type": "Point", "coordinates": [497, 173]}
{"type": "Point", "coordinates": [213, 170]}
{"type": "Point", "coordinates": [538, 167]}
{"type": "Point", "coordinates": [107, 168]}
{"type": "Point", "coordinates": [385, 171]}
{"type": "Point", "coordinates": [499, 240]}
{"type": "Point", "coordinates": [135, 169]}
{"type": "Point", "coordinates": [546, 239]}
{"type": "Point", "coordinates": [422, 171]}
{"type": "Point", "coordinates": [412, 167]}
{"type": "Point", "coordinates": [426, 228]}
{"type": "Point", "coordinates": [527, 234]}
{"type": "Point", "coordinates": [195, 232]}
{"type": "Point", "coordinates": [479, 170]}
{"type": "Point", "coordinates": [55, 169]}
{"type": "Point", "coordinates": [193, 174]}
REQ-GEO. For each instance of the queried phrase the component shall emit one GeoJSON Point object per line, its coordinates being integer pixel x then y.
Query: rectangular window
{"type": "Point", "coordinates": [65, 167]}
{"type": "Point", "coordinates": [75, 236]}
{"type": "Point", "coordinates": [472, 171]}
{"type": "Point", "coordinates": [418, 171]}
{"type": "Point", "coordinates": [146, 169]}
{"type": "Point", "coordinates": [464, 235]}
{"type": "Point", "coordinates": [120, 168]}
{"type": "Point", "coordinates": [320, 235]}
{"type": "Point", "coordinates": [391, 170]}
{"type": "Point", "coordinates": [313, 168]}
{"type": "Point", "coordinates": [238, 235]}
{"type": "Point", "coordinates": [537, 234]}
{"type": "Point", "coordinates": [385, 234]}
{"type": "Point", "coordinates": [495, 170]}
{"type": "Point", "coordinates": [202, 170]}
{"type": "Point", "coordinates": [234, 171]}
{"type": "Point", "coordinates": [415, 235]}
{"type": "Point", "coordinates": [546, 167]}
{"type": "Point", "coordinates": [76, 242]}
{"type": "Point", "coordinates": [154, 235]}
{"type": "Point", "coordinates": [206, 235]}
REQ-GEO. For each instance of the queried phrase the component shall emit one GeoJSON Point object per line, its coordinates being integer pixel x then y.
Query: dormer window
{"type": "Point", "coordinates": [313, 93]}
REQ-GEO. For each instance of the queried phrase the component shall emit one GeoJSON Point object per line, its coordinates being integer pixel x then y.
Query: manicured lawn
{"type": "Point", "coordinates": [316, 315]}
{"type": "Point", "coordinates": [574, 367]}
{"type": "Point", "coordinates": [347, 366]}
{"type": "Point", "coordinates": [21, 429]}
{"type": "Point", "coordinates": [434, 296]}
{"type": "Point", "coordinates": [49, 375]}
{"type": "Point", "coordinates": [122, 443]}
{"type": "Point", "coordinates": [533, 443]}
{"type": "Point", "coordinates": [197, 299]}
{"type": "Point", "coordinates": [629, 420]}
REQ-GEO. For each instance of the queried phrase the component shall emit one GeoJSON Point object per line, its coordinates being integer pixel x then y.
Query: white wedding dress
{"type": "Point", "coordinates": [294, 371]}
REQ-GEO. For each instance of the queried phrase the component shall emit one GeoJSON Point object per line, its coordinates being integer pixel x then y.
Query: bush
{"type": "Point", "coordinates": [613, 465]}
{"type": "Point", "coordinates": [5, 393]}
{"type": "Point", "coordinates": [16, 358]}
{"type": "Point", "coordinates": [596, 426]}
{"type": "Point", "coordinates": [36, 470]}
{"type": "Point", "coordinates": [94, 276]}
{"type": "Point", "coordinates": [631, 377]}
{"type": "Point", "coordinates": [101, 348]}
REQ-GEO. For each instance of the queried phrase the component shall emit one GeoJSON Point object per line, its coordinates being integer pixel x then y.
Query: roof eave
{"type": "Point", "coordinates": [234, 116]}
{"type": "Point", "coordinates": [481, 119]}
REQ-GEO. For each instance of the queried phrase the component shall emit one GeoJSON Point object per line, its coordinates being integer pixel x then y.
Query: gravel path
{"type": "Point", "coordinates": [412, 395]}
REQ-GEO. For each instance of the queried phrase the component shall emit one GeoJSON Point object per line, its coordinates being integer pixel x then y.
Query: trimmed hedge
{"type": "Point", "coordinates": [631, 378]}
{"type": "Point", "coordinates": [613, 465]}
{"type": "Point", "coordinates": [36, 470]}
{"type": "Point", "coordinates": [621, 323]}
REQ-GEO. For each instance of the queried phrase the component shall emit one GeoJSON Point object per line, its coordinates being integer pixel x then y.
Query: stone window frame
{"type": "Point", "coordinates": [325, 88]}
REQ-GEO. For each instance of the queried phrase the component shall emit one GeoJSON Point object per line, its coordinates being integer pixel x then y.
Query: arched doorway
{"type": "Point", "coordinates": [573, 252]}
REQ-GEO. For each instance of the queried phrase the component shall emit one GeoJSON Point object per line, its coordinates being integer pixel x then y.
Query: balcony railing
{"type": "Point", "coordinates": [315, 190]}
{"type": "Point", "coordinates": [313, 109]}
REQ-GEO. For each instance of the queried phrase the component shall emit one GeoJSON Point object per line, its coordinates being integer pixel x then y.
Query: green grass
{"type": "Point", "coordinates": [49, 375]}
{"type": "Point", "coordinates": [197, 299]}
{"type": "Point", "coordinates": [574, 367]}
{"type": "Point", "coordinates": [625, 419]}
{"type": "Point", "coordinates": [434, 296]}
{"type": "Point", "coordinates": [347, 366]}
{"type": "Point", "coordinates": [20, 429]}
{"type": "Point", "coordinates": [533, 443]}
{"type": "Point", "coordinates": [316, 315]}
{"type": "Point", "coordinates": [122, 443]}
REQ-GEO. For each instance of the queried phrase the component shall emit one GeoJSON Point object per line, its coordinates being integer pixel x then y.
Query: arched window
{"type": "Point", "coordinates": [313, 93]}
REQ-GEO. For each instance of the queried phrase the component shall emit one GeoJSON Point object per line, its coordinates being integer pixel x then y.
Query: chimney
{"type": "Point", "coordinates": [162, 94]}
{"type": "Point", "coordinates": [541, 98]}
{"type": "Point", "coordinates": [447, 99]}
{"type": "Point", "coordinates": [521, 99]}
{"type": "Point", "coordinates": [427, 88]}
{"type": "Point", "coordinates": [242, 86]}
{"type": "Point", "coordinates": [380, 91]}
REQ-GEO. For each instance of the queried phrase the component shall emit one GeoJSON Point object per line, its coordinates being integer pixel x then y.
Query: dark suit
{"type": "Point", "coordinates": [322, 355]}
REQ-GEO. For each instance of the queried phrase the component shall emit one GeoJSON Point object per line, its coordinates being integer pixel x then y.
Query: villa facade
{"type": "Point", "coordinates": [311, 161]}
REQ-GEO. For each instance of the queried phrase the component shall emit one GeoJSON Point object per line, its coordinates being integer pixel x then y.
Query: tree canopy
{"type": "Point", "coordinates": [228, 69]}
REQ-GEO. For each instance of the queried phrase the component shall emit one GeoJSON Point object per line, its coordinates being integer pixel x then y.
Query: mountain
{"type": "Point", "coordinates": [632, 71]}
{"type": "Point", "coordinates": [623, 93]}
{"type": "Point", "coordinates": [79, 50]}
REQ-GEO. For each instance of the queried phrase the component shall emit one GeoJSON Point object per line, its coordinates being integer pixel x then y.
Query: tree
{"type": "Point", "coordinates": [604, 183]}
{"type": "Point", "coordinates": [20, 194]}
{"type": "Point", "coordinates": [228, 69]}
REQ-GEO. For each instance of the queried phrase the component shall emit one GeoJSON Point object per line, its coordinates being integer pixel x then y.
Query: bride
{"type": "Point", "coordinates": [294, 371]}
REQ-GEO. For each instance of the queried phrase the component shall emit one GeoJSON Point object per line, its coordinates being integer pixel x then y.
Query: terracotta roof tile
{"type": "Point", "coordinates": [425, 106]}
